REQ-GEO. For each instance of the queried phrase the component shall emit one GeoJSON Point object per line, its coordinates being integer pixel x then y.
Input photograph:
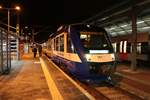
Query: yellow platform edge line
{"type": "Point", "coordinates": [78, 86]}
{"type": "Point", "coordinates": [51, 84]}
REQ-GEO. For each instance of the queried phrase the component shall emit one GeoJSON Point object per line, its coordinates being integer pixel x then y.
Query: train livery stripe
{"type": "Point", "coordinates": [93, 57]}
{"type": "Point", "coordinates": [69, 56]}
{"type": "Point", "coordinates": [51, 84]}
{"type": "Point", "coordinates": [78, 86]}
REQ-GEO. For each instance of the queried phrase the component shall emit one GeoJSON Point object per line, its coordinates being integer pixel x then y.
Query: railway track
{"type": "Point", "coordinates": [115, 93]}
{"type": "Point", "coordinates": [105, 92]}
{"type": "Point", "coordinates": [109, 92]}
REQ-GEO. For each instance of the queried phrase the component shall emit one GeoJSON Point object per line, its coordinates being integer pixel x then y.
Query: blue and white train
{"type": "Point", "coordinates": [84, 50]}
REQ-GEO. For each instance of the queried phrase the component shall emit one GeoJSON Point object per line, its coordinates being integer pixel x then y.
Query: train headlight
{"type": "Point", "coordinates": [88, 56]}
{"type": "Point", "coordinates": [113, 57]}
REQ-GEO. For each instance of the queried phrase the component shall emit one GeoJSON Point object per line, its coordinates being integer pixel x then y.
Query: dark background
{"type": "Point", "coordinates": [45, 16]}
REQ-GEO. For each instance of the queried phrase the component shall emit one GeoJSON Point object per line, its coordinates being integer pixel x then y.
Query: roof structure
{"type": "Point", "coordinates": [117, 20]}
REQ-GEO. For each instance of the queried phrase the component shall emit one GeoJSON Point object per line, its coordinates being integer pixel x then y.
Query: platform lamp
{"type": "Point", "coordinates": [17, 32]}
{"type": "Point", "coordinates": [17, 8]}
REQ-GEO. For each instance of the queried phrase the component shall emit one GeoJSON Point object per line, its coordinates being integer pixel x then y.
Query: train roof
{"type": "Point", "coordinates": [87, 27]}
{"type": "Point", "coordinates": [79, 27]}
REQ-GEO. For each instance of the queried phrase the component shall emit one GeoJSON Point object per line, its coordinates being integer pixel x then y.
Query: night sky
{"type": "Point", "coordinates": [47, 15]}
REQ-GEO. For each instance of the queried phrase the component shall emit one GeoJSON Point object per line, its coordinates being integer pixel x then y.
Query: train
{"type": "Point", "coordinates": [84, 50]}
{"type": "Point", "coordinates": [123, 48]}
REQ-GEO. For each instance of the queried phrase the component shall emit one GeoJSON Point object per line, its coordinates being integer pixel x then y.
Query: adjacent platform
{"type": "Point", "coordinates": [137, 82]}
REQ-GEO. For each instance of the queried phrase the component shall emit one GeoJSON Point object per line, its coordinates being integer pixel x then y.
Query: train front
{"type": "Point", "coordinates": [97, 53]}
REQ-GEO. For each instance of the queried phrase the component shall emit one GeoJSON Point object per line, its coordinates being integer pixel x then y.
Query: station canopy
{"type": "Point", "coordinates": [125, 27]}
{"type": "Point", "coordinates": [118, 19]}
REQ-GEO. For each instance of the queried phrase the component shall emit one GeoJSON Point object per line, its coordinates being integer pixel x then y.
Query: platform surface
{"type": "Point", "coordinates": [136, 81]}
{"type": "Point", "coordinates": [25, 81]}
{"type": "Point", "coordinates": [29, 79]}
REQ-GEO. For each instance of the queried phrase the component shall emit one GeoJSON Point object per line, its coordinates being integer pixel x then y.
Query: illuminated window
{"type": "Point", "coordinates": [115, 47]}
{"type": "Point", "coordinates": [61, 43]}
{"type": "Point", "coordinates": [83, 36]}
{"type": "Point", "coordinates": [139, 48]}
{"type": "Point", "coordinates": [131, 48]}
{"type": "Point", "coordinates": [121, 43]}
{"type": "Point", "coordinates": [125, 47]}
{"type": "Point", "coordinates": [57, 44]}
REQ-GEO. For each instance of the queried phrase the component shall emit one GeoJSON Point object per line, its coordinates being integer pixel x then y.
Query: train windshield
{"type": "Point", "coordinates": [95, 42]}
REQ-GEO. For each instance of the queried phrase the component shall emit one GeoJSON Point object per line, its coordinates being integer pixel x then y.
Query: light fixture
{"type": "Point", "coordinates": [17, 8]}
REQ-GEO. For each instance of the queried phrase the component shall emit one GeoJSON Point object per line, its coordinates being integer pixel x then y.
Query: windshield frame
{"type": "Point", "coordinates": [87, 38]}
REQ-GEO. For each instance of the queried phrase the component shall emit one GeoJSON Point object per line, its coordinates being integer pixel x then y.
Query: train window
{"type": "Point", "coordinates": [84, 39]}
{"type": "Point", "coordinates": [48, 45]}
{"type": "Point", "coordinates": [62, 43]}
{"type": "Point", "coordinates": [57, 43]}
{"type": "Point", "coordinates": [139, 48]}
{"type": "Point", "coordinates": [118, 47]}
{"type": "Point", "coordinates": [94, 41]}
{"type": "Point", "coordinates": [121, 45]}
{"type": "Point", "coordinates": [54, 44]}
{"type": "Point", "coordinates": [125, 47]}
{"type": "Point", "coordinates": [83, 36]}
{"type": "Point", "coordinates": [128, 47]}
{"type": "Point", "coordinates": [144, 47]}
{"type": "Point", "coordinates": [114, 47]}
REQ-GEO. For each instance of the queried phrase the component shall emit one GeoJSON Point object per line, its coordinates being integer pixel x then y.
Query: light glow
{"type": "Point", "coordinates": [121, 43]}
{"type": "Point", "coordinates": [17, 8]}
{"type": "Point", "coordinates": [112, 28]}
{"type": "Point", "coordinates": [145, 27]}
{"type": "Point", "coordinates": [83, 36]}
{"type": "Point", "coordinates": [98, 51]}
{"type": "Point", "coordinates": [125, 47]}
{"type": "Point", "coordinates": [113, 56]}
{"type": "Point", "coordinates": [123, 26]}
{"type": "Point", "coordinates": [139, 22]}
{"type": "Point", "coordinates": [88, 25]}
{"type": "Point", "coordinates": [88, 56]}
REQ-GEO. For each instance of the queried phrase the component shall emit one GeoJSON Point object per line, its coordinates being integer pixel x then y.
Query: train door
{"type": "Point", "coordinates": [123, 55]}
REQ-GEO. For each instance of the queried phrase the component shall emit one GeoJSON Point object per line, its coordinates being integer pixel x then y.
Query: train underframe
{"type": "Point", "coordinates": [95, 73]}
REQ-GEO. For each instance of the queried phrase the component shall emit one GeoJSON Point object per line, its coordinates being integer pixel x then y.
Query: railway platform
{"type": "Point", "coordinates": [32, 80]}
{"type": "Point", "coordinates": [137, 82]}
{"type": "Point", "coordinates": [40, 79]}
{"type": "Point", "coordinates": [25, 81]}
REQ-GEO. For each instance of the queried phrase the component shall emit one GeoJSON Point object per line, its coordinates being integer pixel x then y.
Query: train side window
{"type": "Point", "coordinates": [144, 47]}
{"type": "Point", "coordinates": [128, 47]}
{"type": "Point", "coordinates": [48, 45]}
{"type": "Point", "coordinates": [139, 48]}
{"type": "Point", "coordinates": [118, 47]}
{"type": "Point", "coordinates": [57, 43]}
{"type": "Point", "coordinates": [54, 44]}
{"type": "Point", "coordinates": [114, 47]}
{"type": "Point", "coordinates": [121, 47]}
{"type": "Point", "coordinates": [124, 46]}
{"type": "Point", "coordinates": [62, 43]}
